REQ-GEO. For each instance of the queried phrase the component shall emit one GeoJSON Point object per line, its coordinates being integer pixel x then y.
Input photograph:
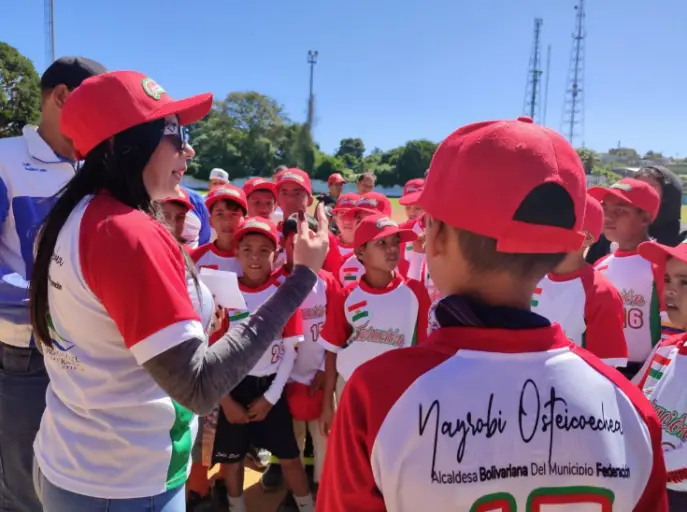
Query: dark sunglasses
{"type": "Point", "coordinates": [177, 134]}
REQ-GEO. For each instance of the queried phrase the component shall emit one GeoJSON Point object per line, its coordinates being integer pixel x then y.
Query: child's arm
{"type": "Point", "coordinates": [276, 389]}
{"type": "Point", "coordinates": [423, 305]}
{"type": "Point", "coordinates": [233, 411]}
{"type": "Point", "coordinates": [604, 314]}
{"type": "Point", "coordinates": [327, 413]}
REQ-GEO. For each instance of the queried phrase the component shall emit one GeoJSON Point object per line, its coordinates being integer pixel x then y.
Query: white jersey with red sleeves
{"type": "Point", "coordinates": [481, 419]}
{"type": "Point", "coordinates": [292, 333]}
{"type": "Point", "coordinates": [310, 356]}
{"type": "Point", "coordinates": [119, 295]}
{"type": "Point", "coordinates": [209, 256]}
{"type": "Point", "coordinates": [640, 287]}
{"type": "Point", "coordinates": [365, 322]}
{"type": "Point", "coordinates": [352, 269]}
{"type": "Point", "coordinates": [345, 250]}
{"type": "Point", "coordinates": [663, 381]}
{"type": "Point", "coordinates": [588, 308]}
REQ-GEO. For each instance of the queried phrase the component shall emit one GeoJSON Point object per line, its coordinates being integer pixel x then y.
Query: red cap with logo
{"type": "Point", "coordinates": [636, 192]}
{"type": "Point", "coordinates": [593, 218]}
{"type": "Point", "coordinates": [658, 253]}
{"type": "Point", "coordinates": [296, 176]}
{"type": "Point", "coordinates": [346, 202]}
{"type": "Point", "coordinates": [180, 200]}
{"type": "Point", "coordinates": [483, 172]}
{"type": "Point", "coordinates": [257, 225]}
{"type": "Point", "coordinates": [336, 178]}
{"type": "Point", "coordinates": [372, 202]}
{"type": "Point", "coordinates": [411, 191]}
{"type": "Point", "coordinates": [227, 192]}
{"type": "Point", "coordinates": [255, 184]}
{"type": "Point", "coordinates": [378, 226]}
{"type": "Point", "coordinates": [105, 105]}
{"type": "Point", "coordinates": [303, 405]}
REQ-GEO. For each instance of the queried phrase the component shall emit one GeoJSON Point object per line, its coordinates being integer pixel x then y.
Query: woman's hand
{"type": "Point", "coordinates": [217, 319]}
{"type": "Point", "coordinates": [310, 249]}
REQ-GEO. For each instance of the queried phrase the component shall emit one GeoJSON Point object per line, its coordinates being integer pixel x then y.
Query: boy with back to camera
{"type": "Point", "coordinates": [630, 206]}
{"type": "Point", "coordinates": [585, 304]}
{"type": "Point", "coordinates": [498, 410]}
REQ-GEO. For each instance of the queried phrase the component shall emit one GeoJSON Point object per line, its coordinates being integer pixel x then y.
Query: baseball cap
{"type": "Point", "coordinates": [70, 71]}
{"type": "Point", "coordinates": [593, 218]}
{"type": "Point", "coordinates": [297, 176]}
{"type": "Point", "coordinates": [254, 184]}
{"type": "Point", "coordinates": [411, 191]}
{"type": "Point", "coordinates": [636, 192]}
{"type": "Point", "coordinates": [303, 405]}
{"type": "Point", "coordinates": [182, 200]}
{"type": "Point", "coordinates": [379, 226]}
{"type": "Point", "coordinates": [336, 178]}
{"type": "Point", "coordinates": [219, 174]}
{"type": "Point", "coordinates": [105, 105]}
{"type": "Point", "coordinates": [372, 202]}
{"type": "Point", "coordinates": [257, 225]}
{"type": "Point", "coordinates": [227, 192]}
{"type": "Point", "coordinates": [495, 179]}
{"type": "Point", "coordinates": [659, 253]}
{"type": "Point", "coordinates": [345, 202]}
{"type": "Point", "coordinates": [290, 225]}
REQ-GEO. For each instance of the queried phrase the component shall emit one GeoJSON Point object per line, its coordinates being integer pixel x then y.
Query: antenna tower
{"type": "Point", "coordinates": [533, 88]}
{"type": "Point", "coordinates": [573, 107]}
{"type": "Point", "coordinates": [48, 13]}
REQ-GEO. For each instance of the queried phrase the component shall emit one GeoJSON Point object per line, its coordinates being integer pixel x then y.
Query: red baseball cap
{"type": "Point", "coordinates": [593, 218]}
{"type": "Point", "coordinates": [227, 192]}
{"type": "Point", "coordinates": [336, 178]}
{"type": "Point", "coordinates": [258, 225]}
{"type": "Point", "coordinates": [182, 200]}
{"type": "Point", "coordinates": [372, 202]}
{"type": "Point", "coordinates": [483, 172]}
{"type": "Point", "coordinates": [345, 202]}
{"type": "Point", "coordinates": [303, 406]}
{"type": "Point", "coordinates": [411, 191]}
{"type": "Point", "coordinates": [658, 253]}
{"type": "Point", "coordinates": [296, 176]}
{"type": "Point", "coordinates": [255, 184]}
{"type": "Point", "coordinates": [636, 192]}
{"type": "Point", "coordinates": [379, 226]}
{"type": "Point", "coordinates": [105, 105]}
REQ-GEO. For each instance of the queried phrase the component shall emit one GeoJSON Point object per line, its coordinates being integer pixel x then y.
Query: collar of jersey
{"type": "Point", "coordinates": [508, 341]}
{"type": "Point", "coordinates": [623, 254]}
{"type": "Point", "coordinates": [219, 252]}
{"type": "Point", "coordinates": [395, 282]}
{"type": "Point", "coordinates": [38, 148]}
{"type": "Point", "coordinates": [560, 278]}
{"type": "Point", "coordinates": [260, 288]}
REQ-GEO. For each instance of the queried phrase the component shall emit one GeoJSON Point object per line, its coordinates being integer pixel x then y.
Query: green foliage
{"type": "Point", "coordinates": [589, 159]}
{"type": "Point", "coordinates": [20, 95]}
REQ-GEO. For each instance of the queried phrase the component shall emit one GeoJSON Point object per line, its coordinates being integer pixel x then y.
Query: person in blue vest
{"type": "Point", "coordinates": [33, 168]}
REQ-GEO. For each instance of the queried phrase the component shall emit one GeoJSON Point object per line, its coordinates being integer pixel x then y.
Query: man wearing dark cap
{"type": "Point", "coordinates": [33, 168]}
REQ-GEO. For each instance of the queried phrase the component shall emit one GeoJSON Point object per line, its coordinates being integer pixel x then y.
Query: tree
{"type": "Point", "coordinates": [414, 160]}
{"type": "Point", "coordinates": [351, 151]}
{"type": "Point", "coordinates": [20, 94]}
{"type": "Point", "coordinates": [589, 159]}
{"type": "Point", "coordinates": [653, 155]}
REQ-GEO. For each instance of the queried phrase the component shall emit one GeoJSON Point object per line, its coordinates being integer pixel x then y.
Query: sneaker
{"type": "Point", "coordinates": [272, 478]}
{"type": "Point", "coordinates": [288, 504]}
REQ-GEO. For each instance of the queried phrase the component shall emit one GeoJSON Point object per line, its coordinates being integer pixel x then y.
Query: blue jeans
{"type": "Point", "coordinates": [23, 382]}
{"type": "Point", "coordinates": [56, 499]}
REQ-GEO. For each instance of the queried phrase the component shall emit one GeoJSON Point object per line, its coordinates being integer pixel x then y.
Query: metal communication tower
{"type": "Point", "coordinates": [573, 108]}
{"type": "Point", "coordinates": [533, 87]}
{"type": "Point", "coordinates": [48, 8]}
{"type": "Point", "coordinates": [312, 60]}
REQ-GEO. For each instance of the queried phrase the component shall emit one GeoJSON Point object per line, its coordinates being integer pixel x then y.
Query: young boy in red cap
{"type": "Point", "coordinates": [411, 193]}
{"type": "Point", "coordinates": [663, 376]}
{"type": "Point", "coordinates": [585, 304]}
{"type": "Point", "coordinates": [227, 206]}
{"type": "Point", "coordinates": [174, 210]}
{"type": "Point", "coordinates": [345, 223]}
{"type": "Point", "coordinates": [256, 412]}
{"type": "Point", "coordinates": [381, 312]}
{"type": "Point", "coordinates": [629, 208]}
{"type": "Point", "coordinates": [261, 197]}
{"type": "Point", "coordinates": [498, 410]}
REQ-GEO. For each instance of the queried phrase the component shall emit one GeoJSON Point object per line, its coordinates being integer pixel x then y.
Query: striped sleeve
{"type": "Point", "coordinates": [336, 330]}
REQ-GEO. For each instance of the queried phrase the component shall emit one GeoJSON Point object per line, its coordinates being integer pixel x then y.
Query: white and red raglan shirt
{"type": "Point", "coordinates": [365, 322]}
{"type": "Point", "coordinates": [547, 427]}
{"type": "Point", "coordinates": [314, 309]}
{"type": "Point", "coordinates": [119, 295]}
{"type": "Point", "coordinates": [279, 357]}
{"type": "Point", "coordinates": [210, 256]}
{"type": "Point", "coordinates": [663, 380]}
{"type": "Point", "coordinates": [352, 269]}
{"type": "Point", "coordinates": [640, 285]}
{"type": "Point", "coordinates": [588, 308]}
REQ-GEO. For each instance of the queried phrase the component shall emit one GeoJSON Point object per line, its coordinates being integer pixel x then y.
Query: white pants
{"type": "Point", "coordinates": [319, 443]}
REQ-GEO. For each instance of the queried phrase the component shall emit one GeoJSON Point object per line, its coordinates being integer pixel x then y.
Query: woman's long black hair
{"type": "Point", "coordinates": [116, 166]}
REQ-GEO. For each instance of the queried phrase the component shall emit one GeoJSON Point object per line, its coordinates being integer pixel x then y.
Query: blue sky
{"type": "Point", "coordinates": [390, 71]}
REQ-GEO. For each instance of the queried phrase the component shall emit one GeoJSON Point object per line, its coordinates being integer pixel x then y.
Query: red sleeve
{"type": "Point", "coordinates": [131, 262]}
{"type": "Point", "coordinates": [294, 326]}
{"type": "Point", "coordinates": [423, 302]}
{"type": "Point", "coordinates": [332, 263]}
{"type": "Point", "coordinates": [336, 329]}
{"type": "Point", "coordinates": [198, 253]}
{"type": "Point", "coordinates": [604, 317]}
{"type": "Point", "coordinates": [654, 497]}
{"type": "Point", "coordinates": [348, 483]}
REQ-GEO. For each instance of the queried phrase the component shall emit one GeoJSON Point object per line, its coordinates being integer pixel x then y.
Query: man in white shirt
{"type": "Point", "coordinates": [218, 177]}
{"type": "Point", "coordinates": [33, 168]}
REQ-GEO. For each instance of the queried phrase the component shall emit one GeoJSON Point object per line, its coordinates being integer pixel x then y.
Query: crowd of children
{"type": "Point", "coordinates": [374, 296]}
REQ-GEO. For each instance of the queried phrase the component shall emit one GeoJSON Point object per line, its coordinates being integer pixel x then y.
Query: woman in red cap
{"type": "Point", "coordinates": [120, 315]}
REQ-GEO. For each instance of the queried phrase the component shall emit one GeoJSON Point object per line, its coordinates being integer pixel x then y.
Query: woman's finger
{"type": "Point", "coordinates": [322, 217]}
{"type": "Point", "coordinates": [302, 224]}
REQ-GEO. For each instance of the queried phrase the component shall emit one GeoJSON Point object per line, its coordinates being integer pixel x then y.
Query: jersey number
{"type": "Point", "coordinates": [546, 498]}
{"type": "Point", "coordinates": [277, 353]}
{"type": "Point", "coordinates": [634, 318]}
{"type": "Point", "coordinates": [315, 330]}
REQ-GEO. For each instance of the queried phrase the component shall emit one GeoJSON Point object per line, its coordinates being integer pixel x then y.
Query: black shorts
{"type": "Point", "coordinates": [274, 433]}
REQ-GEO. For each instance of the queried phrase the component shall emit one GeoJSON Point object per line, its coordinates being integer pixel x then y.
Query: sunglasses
{"type": "Point", "coordinates": [177, 134]}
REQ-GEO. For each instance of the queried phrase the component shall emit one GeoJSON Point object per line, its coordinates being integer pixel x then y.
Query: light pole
{"type": "Point", "coordinates": [312, 60]}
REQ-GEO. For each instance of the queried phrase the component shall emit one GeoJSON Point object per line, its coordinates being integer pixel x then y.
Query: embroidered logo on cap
{"type": "Point", "coordinates": [260, 181]}
{"type": "Point", "coordinates": [343, 203]}
{"type": "Point", "coordinates": [152, 88]}
{"type": "Point", "coordinates": [227, 192]}
{"type": "Point", "coordinates": [367, 202]}
{"type": "Point", "coordinates": [291, 176]}
{"type": "Point", "coordinates": [385, 222]}
{"type": "Point", "coordinates": [411, 189]}
{"type": "Point", "coordinates": [622, 186]}
{"type": "Point", "coordinates": [254, 223]}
